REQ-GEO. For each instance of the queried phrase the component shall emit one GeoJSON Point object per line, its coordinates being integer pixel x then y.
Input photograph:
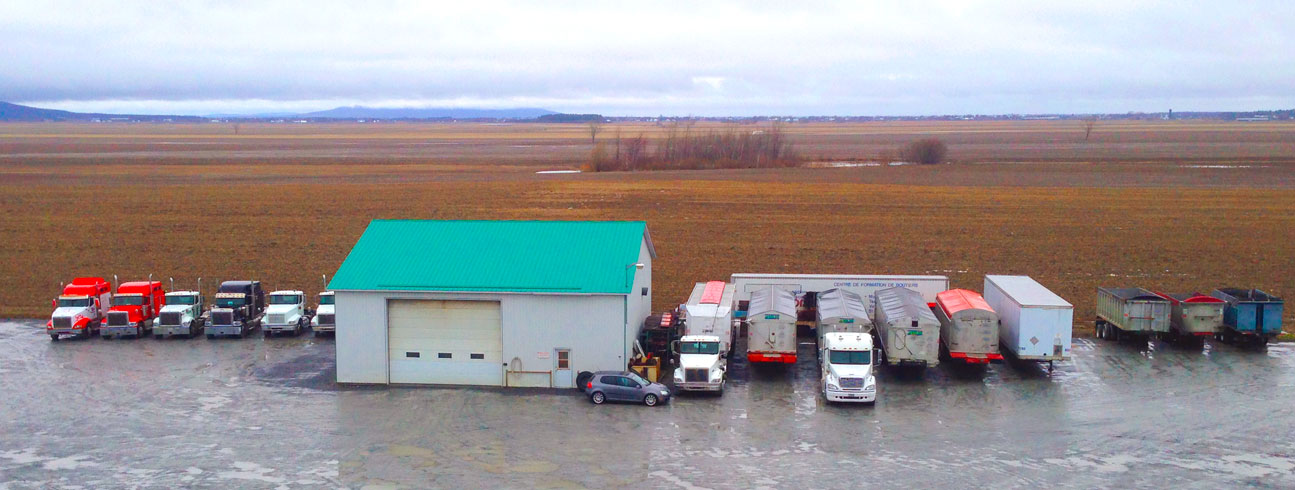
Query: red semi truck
{"type": "Point", "coordinates": [79, 311]}
{"type": "Point", "coordinates": [134, 309]}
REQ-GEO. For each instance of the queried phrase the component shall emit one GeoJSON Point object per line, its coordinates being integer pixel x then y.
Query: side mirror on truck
{"type": "Point", "coordinates": [53, 303]}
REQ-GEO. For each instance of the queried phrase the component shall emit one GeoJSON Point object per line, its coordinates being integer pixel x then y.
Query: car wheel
{"type": "Point", "coordinates": [598, 398]}
{"type": "Point", "coordinates": [649, 400]}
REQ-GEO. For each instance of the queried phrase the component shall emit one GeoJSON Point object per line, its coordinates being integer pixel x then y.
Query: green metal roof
{"type": "Point", "coordinates": [589, 257]}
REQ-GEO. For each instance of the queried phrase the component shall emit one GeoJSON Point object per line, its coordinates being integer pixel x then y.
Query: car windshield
{"type": "Point", "coordinates": [127, 300]}
{"type": "Point", "coordinates": [230, 302]}
{"type": "Point", "coordinates": [82, 302]}
{"type": "Point", "coordinates": [699, 347]}
{"type": "Point", "coordinates": [326, 300]}
{"type": "Point", "coordinates": [850, 357]}
{"type": "Point", "coordinates": [182, 300]}
{"type": "Point", "coordinates": [284, 299]}
{"type": "Point", "coordinates": [634, 376]}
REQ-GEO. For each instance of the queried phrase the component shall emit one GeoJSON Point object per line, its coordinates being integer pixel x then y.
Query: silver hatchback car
{"type": "Point", "coordinates": [625, 386]}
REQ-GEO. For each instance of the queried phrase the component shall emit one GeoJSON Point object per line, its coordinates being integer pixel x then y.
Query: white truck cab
{"type": "Point", "coordinates": [848, 360]}
{"type": "Point", "coordinates": [286, 312]}
{"type": "Point", "coordinates": [78, 315]}
{"type": "Point", "coordinates": [324, 321]}
{"type": "Point", "coordinates": [182, 315]}
{"type": "Point", "coordinates": [702, 363]}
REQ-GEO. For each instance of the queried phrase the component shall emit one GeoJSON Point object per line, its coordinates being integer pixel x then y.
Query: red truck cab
{"type": "Point", "coordinates": [79, 310]}
{"type": "Point", "coordinates": [134, 309]}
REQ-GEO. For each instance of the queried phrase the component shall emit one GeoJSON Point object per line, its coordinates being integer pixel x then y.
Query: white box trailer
{"type": "Point", "coordinates": [840, 310]}
{"type": "Point", "coordinates": [771, 327]}
{"type": "Point", "coordinates": [866, 286]}
{"type": "Point", "coordinates": [908, 330]}
{"type": "Point", "coordinates": [1034, 323]}
{"type": "Point", "coordinates": [709, 311]}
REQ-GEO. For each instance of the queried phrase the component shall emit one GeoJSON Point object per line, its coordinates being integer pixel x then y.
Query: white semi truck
{"type": "Point", "coordinates": [707, 339]}
{"type": "Point", "coordinates": [286, 313]}
{"type": "Point", "coordinates": [182, 315]}
{"type": "Point", "coordinates": [847, 360]}
{"type": "Point", "coordinates": [325, 320]}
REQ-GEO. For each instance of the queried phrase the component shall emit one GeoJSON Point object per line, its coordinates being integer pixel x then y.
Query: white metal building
{"type": "Point", "coordinates": [498, 303]}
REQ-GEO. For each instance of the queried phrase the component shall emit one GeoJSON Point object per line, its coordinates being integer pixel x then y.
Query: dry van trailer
{"type": "Point", "coordinates": [771, 327]}
{"type": "Point", "coordinates": [1194, 315]}
{"type": "Point", "coordinates": [866, 286]}
{"type": "Point", "coordinates": [968, 327]}
{"type": "Point", "coordinates": [908, 331]}
{"type": "Point", "coordinates": [1034, 323]}
{"type": "Point", "coordinates": [1131, 312]}
{"type": "Point", "coordinates": [840, 310]}
{"type": "Point", "coordinates": [1250, 316]}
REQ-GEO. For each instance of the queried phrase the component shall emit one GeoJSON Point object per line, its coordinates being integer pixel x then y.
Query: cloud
{"type": "Point", "coordinates": [671, 57]}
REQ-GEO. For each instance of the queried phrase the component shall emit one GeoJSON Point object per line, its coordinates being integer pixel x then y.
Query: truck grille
{"type": "Point", "coordinates": [851, 383]}
{"type": "Point", "coordinates": [62, 322]}
{"type": "Point", "coordinates": [276, 319]}
{"type": "Point", "coordinates": [118, 318]}
{"type": "Point", "coordinates": [170, 318]}
{"type": "Point", "coordinates": [696, 375]}
{"type": "Point", "coordinates": [222, 318]}
{"type": "Point", "coordinates": [326, 319]}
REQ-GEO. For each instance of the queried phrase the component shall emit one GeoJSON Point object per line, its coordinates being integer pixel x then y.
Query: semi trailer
{"type": "Point", "coordinates": [1034, 323]}
{"type": "Point", "coordinates": [863, 285]}
{"type": "Point", "coordinates": [1131, 313]}
{"type": "Point", "coordinates": [707, 338]}
{"type": "Point", "coordinates": [237, 309]}
{"type": "Point", "coordinates": [841, 310]}
{"type": "Point", "coordinates": [1250, 316]}
{"type": "Point", "coordinates": [909, 332]}
{"type": "Point", "coordinates": [771, 327]}
{"type": "Point", "coordinates": [79, 310]}
{"type": "Point", "coordinates": [1194, 316]}
{"type": "Point", "coordinates": [134, 309]}
{"type": "Point", "coordinates": [968, 327]}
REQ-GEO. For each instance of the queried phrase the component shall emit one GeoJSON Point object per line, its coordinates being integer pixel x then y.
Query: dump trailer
{"type": "Point", "coordinates": [134, 309]}
{"type": "Point", "coordinates": [80, 309]}
{"type": "Point", "coordinates": [237, 309]}
{"type": "Point", "coordinates": [841, 310]}
{"type": "Point", "coordinates": [909, 332]}
{"type": "Point", "coordinates": [1034, 323]}
{"type": "Point", "coordinates": [1250, 316]}
{"type": "Point", "coordinates": [1194, 315]}
{"type": "Point", "coordinates": [771, 327]}
{"type": "Point", "coordinates": [1131, 312]}
{"type": "Point", "coordinates": [968, 327]}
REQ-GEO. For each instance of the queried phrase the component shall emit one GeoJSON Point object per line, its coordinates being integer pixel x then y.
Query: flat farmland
{"type": "Point", "coordinates": [1174, 205]}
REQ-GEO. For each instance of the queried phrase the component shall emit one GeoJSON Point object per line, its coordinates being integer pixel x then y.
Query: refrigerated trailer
{"type": "Point", "coordinates": [1194, 315]}
{"type": "Point", "coordinates": [771, 327]}
{"type": "Point", "coordinates": [909, 332]}
{"type": "Point", "coordinates": [866, 286]}
{"type": "Point", "coordinates": [1131, 312]}
{"type": "Point", "coordinates": [840, 310]}
{"type": "Point", "coordinates": [1250, 316]}
{"type": "Point", "coordinates": [1034, 323]}
{"type": "Point", "coordinates": [968, 327]}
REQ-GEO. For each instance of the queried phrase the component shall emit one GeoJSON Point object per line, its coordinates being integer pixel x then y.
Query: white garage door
{"type": "Point", "coordinates": [445, 342]}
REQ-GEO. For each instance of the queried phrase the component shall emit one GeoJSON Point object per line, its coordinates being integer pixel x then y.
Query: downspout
{"type": "Point", "coordinates": [625, 325]}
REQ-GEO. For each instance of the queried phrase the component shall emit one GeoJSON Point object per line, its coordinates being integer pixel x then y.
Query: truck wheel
{"type": "Point", "coordinates": [210, 336]}
{"type": "Point", "coordinates": [157, 336]}
{"type": "Point", "coordinates": [53, 337]}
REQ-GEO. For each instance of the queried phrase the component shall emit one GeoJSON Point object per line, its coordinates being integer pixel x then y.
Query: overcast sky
{"type": "Point", "coordinates": [648, 58]}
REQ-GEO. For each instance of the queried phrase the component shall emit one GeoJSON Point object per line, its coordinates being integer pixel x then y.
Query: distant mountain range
{"type": "Point", "coordinates": [22, 113]}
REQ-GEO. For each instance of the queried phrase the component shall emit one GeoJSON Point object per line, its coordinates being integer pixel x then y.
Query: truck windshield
{"type": "Point", "coordinates": [850, 357]}
{"type": "Point", "coordinates": [77, 302]}
{"type": "Point", "coordinates": [127, 300]}
{"type": "Point", "coordinates": [230, 302]}
{"type": "Point", "coordinates": [182, 300]}
{"type": "Point", "coordinates": [699, 347]}
{"type": "Point", "coordinates": [284, 299]}
{"type": "Point", "coordinates": [326, 300]}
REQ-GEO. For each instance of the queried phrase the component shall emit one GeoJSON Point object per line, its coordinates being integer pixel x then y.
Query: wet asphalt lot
{"type": "Point", "coordinates": [265, 413]}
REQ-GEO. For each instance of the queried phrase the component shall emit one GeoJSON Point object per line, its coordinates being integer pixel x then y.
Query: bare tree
{"type": "Point", "coordinates": [236, 126]}
{"type": "Point", "coordinates": [1089, 123]}
{"type": "Point", "coordinates": [595, 125]}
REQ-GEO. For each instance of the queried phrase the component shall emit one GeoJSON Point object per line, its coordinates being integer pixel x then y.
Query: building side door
{"type": "Point", "coordinates": [562, 377]}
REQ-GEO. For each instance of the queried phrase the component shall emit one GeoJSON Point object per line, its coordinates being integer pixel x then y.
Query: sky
{"type": "Point", "coordinates": [631, 58]}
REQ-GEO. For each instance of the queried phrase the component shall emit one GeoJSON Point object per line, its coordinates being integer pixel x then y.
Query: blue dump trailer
{"type": "Point", "coordinates": [1250, 316]}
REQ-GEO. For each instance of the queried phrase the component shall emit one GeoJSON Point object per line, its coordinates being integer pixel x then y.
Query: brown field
{"type": "Point", "coordinates": [1173, 205]}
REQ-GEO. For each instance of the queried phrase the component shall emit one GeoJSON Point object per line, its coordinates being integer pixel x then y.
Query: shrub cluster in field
{"type": "Point", "coordinates": [683, 149]}
{"type": "Point", "coordinates": [928, 151]}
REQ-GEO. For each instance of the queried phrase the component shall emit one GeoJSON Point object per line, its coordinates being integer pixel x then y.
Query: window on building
{"type": "Point", "coordinates": [564, 359]}
{"type": "Point", "coordinates": [444, 355]}
{"type": "Point", "coordinates": [477, 355]}
{"type": "Point", "coordinates": [414, 355]}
